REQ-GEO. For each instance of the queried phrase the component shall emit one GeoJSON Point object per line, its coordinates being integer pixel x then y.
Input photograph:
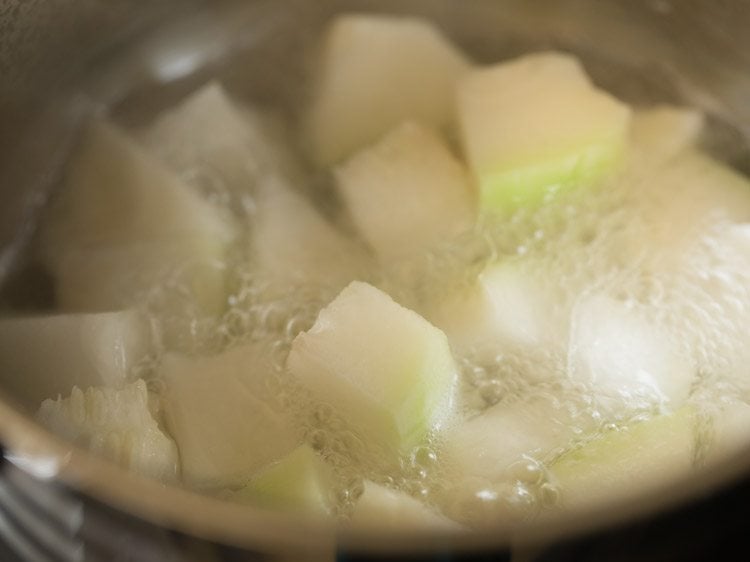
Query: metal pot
{"type": "Point", "coordinates": [60, 61]}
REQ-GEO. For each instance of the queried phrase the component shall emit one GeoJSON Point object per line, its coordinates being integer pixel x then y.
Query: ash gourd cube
{"type": "Point", "coordinates": [635, 461]}
{"type": "Point", "coordinates": [604, 469]}
{"type": "Point", "coordinates": [226, 424]}
{"type": "Point", "coordinates": [124, 224]}
{"type": "Point", "coordinates": [117, 423]}
{"type": "Point", "coordinates": [290, 241]}
{"type": "Point", "coordinates": [45, 356]}
{"type": "Point", "coordinates": [733, 238]}
{"type": "Point", "coordinates": [488, 445]}
{"type": "Point", "coordinates": [684, 198]}
{"type": "Point", "coordinates": [683, 192]}
{"type": "Point", "coordinates": [659, 133]}
{"type": "Point", "coordinates": [376, 72]}
{"type": "Point", "coordinates": [301, 481]}
{"type": "Point", "coordinates": [730, 432]}
{"type": "Point", "coordinates": [293, 244]}
{"type": "Point", "coordinates": [214, 143]}
{"type": "Point", "coordinates": [407, 192]}
{"type": "Point", "coordinates": [536, 126]}
{"type": "Point", "coordinates": [505, 308]}
{"type": "Point", "coordinates": [382, 508]}
{"type": "Point", "coordinates": [626, 361]}
{"type": "Point", "coordinates": [385, 370]}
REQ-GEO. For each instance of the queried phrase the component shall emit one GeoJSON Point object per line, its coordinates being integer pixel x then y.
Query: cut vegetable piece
{"type": "Point", "coordinates": [213, 144]}
{"type": "Point", "coordinates": [301, 481]}
{"type": "Point", "coordinates": [407, 192]}
{"type": "Point", "coordinates": [489, 444]}
{"type": "Point", "coordinates": [377, 71]}
{"type": "Point", "coordinates": [731, 432]}
{"type": "Point", "coordinates": [293, 244]}
{"type": "Point", "coordinates": [662, 132]}
{"type": "Point", "coordinates": [174, 276]}
{"type": "Point", "coordinates": [116, 423]}
{"type": "Point", "coordinates": [225, 425]}
{"type": "Point", "coordinates": [382, 508]}
{"type": "Point", "coordinates": [737, 236]}
{"type": "Point", "coordinates": [123, 224]}
{"type": "Point", "coordinates": [386, 370]}
{"type": "Point", "coordinates": [720, 268]}
{"type": "Point", "coordinates": [624, 360]}
{"type": "Point", "coordinates": [685, 198]}
{"type": "Point", "coordinates": [44, 356]}
{"type": "Point", "coordinates": [116, 194]}
{"type": "Point", "coordinates": [536, 126]}
{"type": "Point", "coordinates": [635, 461]}
{"type": "Point", "coordinates": [506, 307]}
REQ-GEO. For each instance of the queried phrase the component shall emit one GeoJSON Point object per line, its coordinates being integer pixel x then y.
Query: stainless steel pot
{"type": "Point", "coordinates": [59, 61]}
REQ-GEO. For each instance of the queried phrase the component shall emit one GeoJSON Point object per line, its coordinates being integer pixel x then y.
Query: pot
{"type": "Point", "coordinates": [59, 63]}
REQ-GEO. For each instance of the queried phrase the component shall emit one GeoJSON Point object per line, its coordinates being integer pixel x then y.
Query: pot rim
{"type": "Point", "coordinates": [31, 446]}
{"type": "Point", "coordinates": [42, 454]}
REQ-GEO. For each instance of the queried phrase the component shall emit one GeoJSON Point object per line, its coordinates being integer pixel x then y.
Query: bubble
{"type": "Point", "coordinates": [356, 488]}
{"type": "Point", "coordinates": [527, 471]}
{"type": "Point", "coordinates": [521, 500]}
{"type": "Point", "coordinates": [424, 457]}
{"type": "Point", "coordinates": [210, 182]}
{"type": "Point", "coordinates": [491, 391]}
{"type": "Point", "coordinates": [318, 440]}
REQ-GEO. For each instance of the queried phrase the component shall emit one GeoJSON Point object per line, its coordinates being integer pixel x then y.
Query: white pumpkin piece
{"type": "Point", "coordinates": [376, 72]}
{"type": "Point", "coordinates": [118, 424]}
{"type": "Point", "coordinates": [215, 144]}
{"type": "Point", "coordinates": [406, 193]}
{"type": "Point", "coordinates": [660, 133]}
{"type": "Point", "coordinates": [124, 225]}
{"type": "Point", "coordinates": [382, 508]}
{"type": "Point", "coordinates": [488, 445]}
{"type": "Point", "coordinates": [681, 201]}
{"type": "Point", "coordinates": [505, 309]}
{"type": "Point", "coordinates": [737, 237]}
{"type": "Point", "coordinates": [293, 244]}
{"type": "Point", "coordinates": [299, 482]}
{"type": "Point", "coordinates": [225, 423]}
{"type": "Point", "coordinates": [535, 126]}
{"type": "Point", "coordinates": [730, 434]}
{"type": "Point", "coordinates": [45, 356]}
{"type": "Point", "coordinates": [175, 278]}
{"type": "Point", "coordinates": [626, 362]}
{"type": "Point", "coordinates": [630, 462]}
{"type": "Point", "coordinates": [384, 369]}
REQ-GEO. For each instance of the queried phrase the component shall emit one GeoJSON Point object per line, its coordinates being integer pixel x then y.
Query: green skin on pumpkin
{"type": "Point", "coordinates": [621, 463]}
{"type": "Point", "coordinates": [531, 184]}
{"type": "Point", "coordinates": [300, 481]}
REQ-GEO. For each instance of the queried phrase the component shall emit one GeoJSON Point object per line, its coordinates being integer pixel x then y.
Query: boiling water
{"type": "Point", "coordinates": [585, 243]}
